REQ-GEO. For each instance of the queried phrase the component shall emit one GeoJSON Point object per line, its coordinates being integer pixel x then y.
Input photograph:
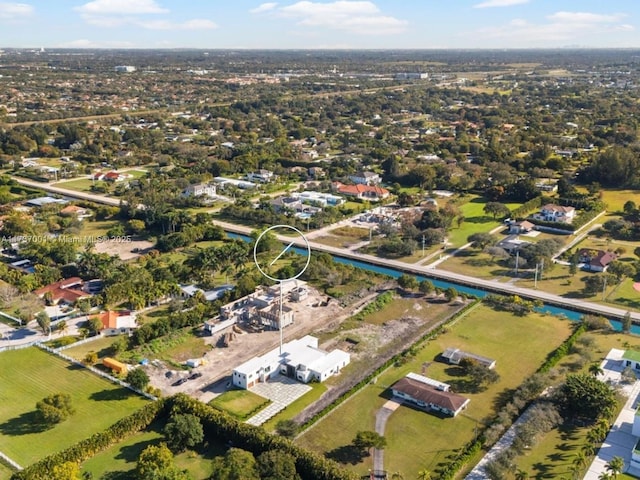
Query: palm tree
{"type": "Point", "coordinates": [397, 476]}
{"type": "Point", "coordinates": [62, 327]}
{"type": "Point", "coordinates": [521, 475]}
{"type": "Point", "coordinates": [580, 460]}
{"type": "Point", "coordinates": [588, 449]}
{"type": "Point", "coordinates": [595, 369]}
{"type": "Point", "coordinates": [604, 476]}
{"type": "Point", "coordinates": [615, 466]}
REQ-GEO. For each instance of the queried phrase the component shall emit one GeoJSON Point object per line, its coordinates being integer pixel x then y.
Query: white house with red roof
{"type": "Point", "coordinates": [67, 291]}
{"type": "Point", "coordinates": [373, 193]}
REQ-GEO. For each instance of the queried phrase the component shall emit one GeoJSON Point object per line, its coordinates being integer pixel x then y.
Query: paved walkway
{"type": "Point", "coordinates": [381, 422]}
{"type": "Point", "coordinates": [282, 391]}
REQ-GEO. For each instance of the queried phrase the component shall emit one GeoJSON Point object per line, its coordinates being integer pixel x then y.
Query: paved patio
{"type": "Point", "coordinates": [282, 391]}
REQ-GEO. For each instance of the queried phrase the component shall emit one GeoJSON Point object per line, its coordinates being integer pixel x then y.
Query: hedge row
{"type": "Point", "coordinates": [524, 209]}
{"type": "Point", "coordinates": [401, 358]}
{"type": "Point", "coordinates": [563, 350]}
{"type": "Point", "coordinates": [309, 465]}
{"type": "Point", "coordinates": [98, 442]}
{"type": "Point", "coordinates": [470, 450]}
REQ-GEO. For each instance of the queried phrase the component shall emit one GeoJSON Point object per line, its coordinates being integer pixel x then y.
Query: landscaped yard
{"type": "Point", "coordinates": [418, 440]}
{"type": "Point", "coordinates": [119, 460]}
{"type": "Point", "coordinates": [79, 184]}
{"type": "Point", "coordinates": [100, 345]}
{"type": "Point", "coordinates": [242, 404]}
{"type": "Point", "coordinates": [475, 220]}
{"type": "Point", "coordinates": [28, 376]}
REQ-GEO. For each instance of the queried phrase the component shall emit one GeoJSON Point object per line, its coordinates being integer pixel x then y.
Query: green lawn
{"type": "Point", "coordinates": [615, 199]}
{"type": "Point", "coordinates": [79, 184]}
{"type": "Point", "coordinates": [625, 295]}
{"type": "Point", "coordinates": [118, 461]}
{"type": "Point", "coordinates": [418, 440]}
{"type": "Point", "coordinates": [241, 404]}
{"type": "Point", "coordinates": [97, 228]}
{"type": "Point", "coordinates": [29, 375]}
{"type": "Point", "coordinates": [5, 472]}
{"type": "Point", "coordinates": [475, 220]}
{"type": "Point", "coordinates": [100, 345]}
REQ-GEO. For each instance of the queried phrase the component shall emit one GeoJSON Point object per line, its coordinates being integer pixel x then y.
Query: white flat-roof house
{"type": "Point", "coordinates": [242, 184]}
{"type": "Point", "coordinates": [200, 190]}
{"type": "Point", "coordinates": [300, 359]}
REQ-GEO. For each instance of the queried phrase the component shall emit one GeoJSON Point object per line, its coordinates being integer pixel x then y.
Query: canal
{"type": "Point", "coordinates": [444, 284]}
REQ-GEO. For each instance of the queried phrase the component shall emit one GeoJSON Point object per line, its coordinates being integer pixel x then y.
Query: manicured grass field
{"type": "Point", "coordinates": [615, 199]}
{"type": "Point", "coordinates": [5, 472]}
{"type": "Point", "coordinates": [79, 184]}
{"type": "Point", "coordinates": [625, 295]}
{"type": "Point", "coordinates": [240, 403]}
{"type": "Point", "coordinates": [418, 440]}
{"type": "Point", "coordinates": [118, 461]}
{"type": "Point", "coordinates": [29, 375]}
{"type": "Point", "coordinates": [97, 228]}
{"type": "Point", "coordinates": [475, 221]}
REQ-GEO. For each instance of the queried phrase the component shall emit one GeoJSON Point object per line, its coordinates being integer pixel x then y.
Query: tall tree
{"type": "Point", "coordinates": [183, 431]}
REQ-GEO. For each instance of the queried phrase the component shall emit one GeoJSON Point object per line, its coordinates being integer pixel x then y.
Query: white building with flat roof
{"type": "Point", "coordinates": [300, 359]}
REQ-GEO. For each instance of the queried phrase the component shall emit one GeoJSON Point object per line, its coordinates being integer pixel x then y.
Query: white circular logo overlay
{"type": "Point", "coordinates": [298, 239]}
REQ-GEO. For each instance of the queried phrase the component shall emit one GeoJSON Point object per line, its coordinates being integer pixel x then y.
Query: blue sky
{"type": "Point", "coordinates": [320, 23]}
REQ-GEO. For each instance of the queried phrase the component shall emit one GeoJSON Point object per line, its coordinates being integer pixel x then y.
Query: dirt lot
{"type": "Point", "coordinates": [125, 250]}
{"type": "Point", "coordinates": [220, 361]}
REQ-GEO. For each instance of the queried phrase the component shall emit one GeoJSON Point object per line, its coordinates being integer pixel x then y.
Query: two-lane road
{"type": "Point", "coordinates": [490, 285]}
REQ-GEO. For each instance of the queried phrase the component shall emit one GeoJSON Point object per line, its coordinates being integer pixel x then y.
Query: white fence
{"type": "Point", "coordinates": [17, 347]}
{"type": "Point", "coordinates": [79, 342]}
{"type": "Point", "coordinates": [95, 370]}
{"type": "Point", "coordinates": [10, 462]}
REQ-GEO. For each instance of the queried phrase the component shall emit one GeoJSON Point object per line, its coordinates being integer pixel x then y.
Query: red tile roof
{"type": "Point", "coordinates": [430, 395]}
{"type": "Point", "coordinates": [68, 290]}
{"type": "Point", "coordinates": [362, 190]}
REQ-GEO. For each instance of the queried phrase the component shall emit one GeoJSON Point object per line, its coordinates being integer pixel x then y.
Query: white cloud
{"type": "Point", "coordinates": [585, 17]}
{"type": "Point", "coordinates": [117, 13]}
{"type": "Point", "coordinates": [361, 17]}
{"type": "Point", "coordinates": [265, 7]}
{"type": "Point", "coordinates": [85, 43]}
{"type": "Point", "coordinates": [561, 27]}
{"type": "Point", "coordinates": [9, 11]}
{"type": "Point", "coordinates": [121, 7]}
{"type": "Point", "coordinates": [499, 3]}
{"type": "Point", "coordinates": [195, 24]}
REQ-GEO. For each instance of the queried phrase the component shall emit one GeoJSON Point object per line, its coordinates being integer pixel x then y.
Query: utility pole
{"type": "Point", "coordinates": [541, 268]}
{"type": "Point", "coordinates": [604, 289]}
{"type": "Point", "coordinates": [517, 261]}
{"type": "Point", "coordinates": [423, 245]}
{"type": "Point", "coordinates": [535, 281]}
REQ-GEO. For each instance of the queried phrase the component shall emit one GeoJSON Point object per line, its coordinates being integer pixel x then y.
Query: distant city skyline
{"type": "Point", "coordinates": [337, 24]}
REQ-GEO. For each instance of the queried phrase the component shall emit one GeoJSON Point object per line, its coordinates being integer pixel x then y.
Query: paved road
{"type": "Point", "coordinates": [490, 285]}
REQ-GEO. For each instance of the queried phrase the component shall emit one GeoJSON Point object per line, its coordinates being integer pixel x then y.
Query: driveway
{"type": "Point", "coordinates": [381, 422]}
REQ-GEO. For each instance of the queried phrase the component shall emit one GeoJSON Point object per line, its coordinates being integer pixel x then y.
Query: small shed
{"type": "Point", "coordinates": [114, 365]}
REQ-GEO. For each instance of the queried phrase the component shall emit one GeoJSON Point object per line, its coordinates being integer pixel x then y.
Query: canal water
{"type": "Point", "coordinates": [443, 284]}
